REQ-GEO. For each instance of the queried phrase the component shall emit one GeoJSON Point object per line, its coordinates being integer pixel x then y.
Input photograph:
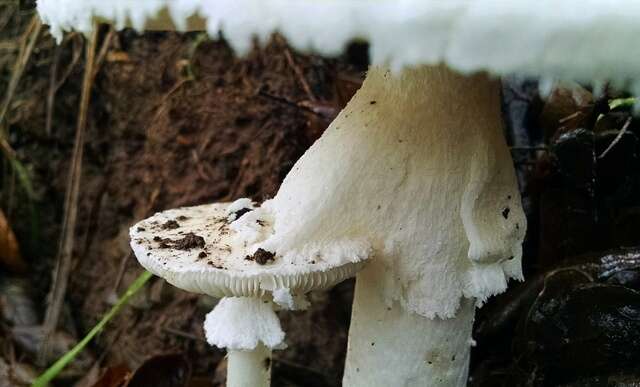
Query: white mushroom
{"type": "Point", "coordinates": [205, 249]}
{"type": "Point", "coordinates": [416, 167]}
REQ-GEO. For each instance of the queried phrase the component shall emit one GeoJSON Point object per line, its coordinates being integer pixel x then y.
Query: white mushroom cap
{"type": "Point", "coordinates": [585, 40]}
{"type": "Point", "coordinates": [198, 249]}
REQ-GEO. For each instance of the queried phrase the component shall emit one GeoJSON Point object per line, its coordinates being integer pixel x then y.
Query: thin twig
{"type": "Point", "coordinates": [617, 139]}
{"type": "Point", "coordinates": [300, 75]}
{"type": "Point", "coordinates": [122, 268]}
{"type": "Point", "coordinates": [52, 89]}
{"type": "Point", "coordinates": [55, 84]}
{"type": "Point", "coordinates": [286, 101]}
{"type": "Point", "coordinates": [183, 334]}
{"type": "Point", "coordinates": [103, 51]}
{"type": "Point", "coordinates": [65, 252]}
{"type": "Point", "coordinates": [569, 117]}
{"type": "Point", "coordinates": [26, 48]}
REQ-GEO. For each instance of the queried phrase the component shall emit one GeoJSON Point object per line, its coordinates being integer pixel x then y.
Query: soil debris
{"type": "Point", "coordinates": [241, 212]}
{"type": "Point", "coordinates": [261, 257]}
{"type": "Point", "coordinates": [170, 225]}
{"type": "Point", "coordinates": [188, 242]}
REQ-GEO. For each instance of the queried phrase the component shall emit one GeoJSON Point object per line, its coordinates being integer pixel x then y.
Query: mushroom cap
{"type": "Point", "coordinates": [584, 40]}
{"type": "Point", "coordinates": [199, 250]}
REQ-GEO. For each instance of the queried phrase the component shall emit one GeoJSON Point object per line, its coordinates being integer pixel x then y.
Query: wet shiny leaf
{"type": "Point", "coordinates": [590, 329]}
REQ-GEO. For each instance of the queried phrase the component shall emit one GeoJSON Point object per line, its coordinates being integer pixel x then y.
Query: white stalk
{"type": "Point", "coordinates": [459, 241]}
{"type": "Point", "coordinates": [389, 346]}
{"type": "Point", "coordinates": [249, 368]}
{"type": "Point", "coordinates": [416, 166]}
{"type": "Point", "coordinates": [249, 329]}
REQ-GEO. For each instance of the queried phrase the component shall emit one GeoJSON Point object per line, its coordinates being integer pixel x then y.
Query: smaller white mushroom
{"type": "Point", "coordinates": [213, 249]}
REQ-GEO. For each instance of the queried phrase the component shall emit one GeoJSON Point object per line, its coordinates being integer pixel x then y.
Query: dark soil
{"type": "Point", "coordinates": [189, 241]}
{"type": "Point", "coordinates": [261, 257]}
{"type": "Point", "coordinates": [170, 225]}
{"type": "Point", "coordinates": [175, 120]}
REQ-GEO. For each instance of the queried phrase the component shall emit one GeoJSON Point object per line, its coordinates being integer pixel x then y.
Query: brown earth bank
{"type": "Point", "coordinates": [178, 120]}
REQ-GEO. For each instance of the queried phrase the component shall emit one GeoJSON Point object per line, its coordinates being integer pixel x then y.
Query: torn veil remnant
{"type": "Point", "coordinates": [422, 178]}
{"type": "Point", "coordinates": [207, 253]}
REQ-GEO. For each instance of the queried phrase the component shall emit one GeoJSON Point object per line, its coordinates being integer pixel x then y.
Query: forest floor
{"type": "Point", "coordinates": [176, 120]}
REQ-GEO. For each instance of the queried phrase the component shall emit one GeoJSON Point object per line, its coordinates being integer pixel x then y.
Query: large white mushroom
{"type": "Point", "coordinates": [416, 167]}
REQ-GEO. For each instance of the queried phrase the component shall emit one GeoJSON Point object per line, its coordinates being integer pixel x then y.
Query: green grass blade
{"type": "Point", "coordinates": [23, 177]}
{"type": "Point", "coordinates": [622, 103]}
{"type": "Point", "coordinates": [59, 365]}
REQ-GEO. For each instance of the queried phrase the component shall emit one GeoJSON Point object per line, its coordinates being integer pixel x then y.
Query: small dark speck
{"type": "Point", "coordinates": [170, 225]}
{"type": "Point", "coordinates": [388, 308]}
{"type": "Point", "coordinates": [214, 265]}
{"type": "Point", "coordinates": [379, 206]}
{"type": "Point", "coordinates": [140, 229]}
{"type": "Point", "coordinates": [505, 213]}
{"type": "Point", "coordinates": [313, 262]}
{"type": "Point", "coordinates": [267, 363]}
{"type": "Point", "coordinates": [202, 254]}
{"type": "Point", "coordinates": [373, 102]}
{"type": "Point", "coordinates": [182, 217]}
{"type": "Point", "coordinates": [261, 223]}
{"type": "Point", "coordinates": [453, 358]}
{"type": "Point", "coordinates": [148, 254]}
{"type": "Point", "coordinates": [157, 239]}
{"type": "Point", "coordinates": [517, 226]}
{"type": "Point", "coordinates": [508, 197]}
{"type": "Point", "coordinates": [241, 212]}
{"type": "Point", "coordinates": [430, 362]}
{"type": "Point", "coordinates": [372, 344]}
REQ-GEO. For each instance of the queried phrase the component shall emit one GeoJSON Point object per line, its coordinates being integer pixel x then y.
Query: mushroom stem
{"type": "Point", "coordinates": [417, 166]}
{"type": "Point", "coordinates": [249, 368]}
{"type": "Point", "coordinates": [249, 328]}
{"type": "Point", "coordinates": [390, 346]}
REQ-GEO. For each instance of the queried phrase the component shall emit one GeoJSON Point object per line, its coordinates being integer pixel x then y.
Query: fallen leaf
{"type": "Point", "coordinates": [116, 376]}
{"type": "Point", "coordinates": [16, 374]}
{"type": "Point", "coordinates": [172, 370]}
{"type": "Point", "coordinates": [29, 339]}
{"type": "Point", "coordinates": [9, 251]}
{"type": "Point", "coordinates": [17, 307]}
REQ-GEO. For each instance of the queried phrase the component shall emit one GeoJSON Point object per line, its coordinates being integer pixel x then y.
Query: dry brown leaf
{"type": "Point", "coordinates": [117, 376]}
{"type": "Point", "coordinates": [171, 370]}
{"type": "Point", "coordinates": [10, 256]}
